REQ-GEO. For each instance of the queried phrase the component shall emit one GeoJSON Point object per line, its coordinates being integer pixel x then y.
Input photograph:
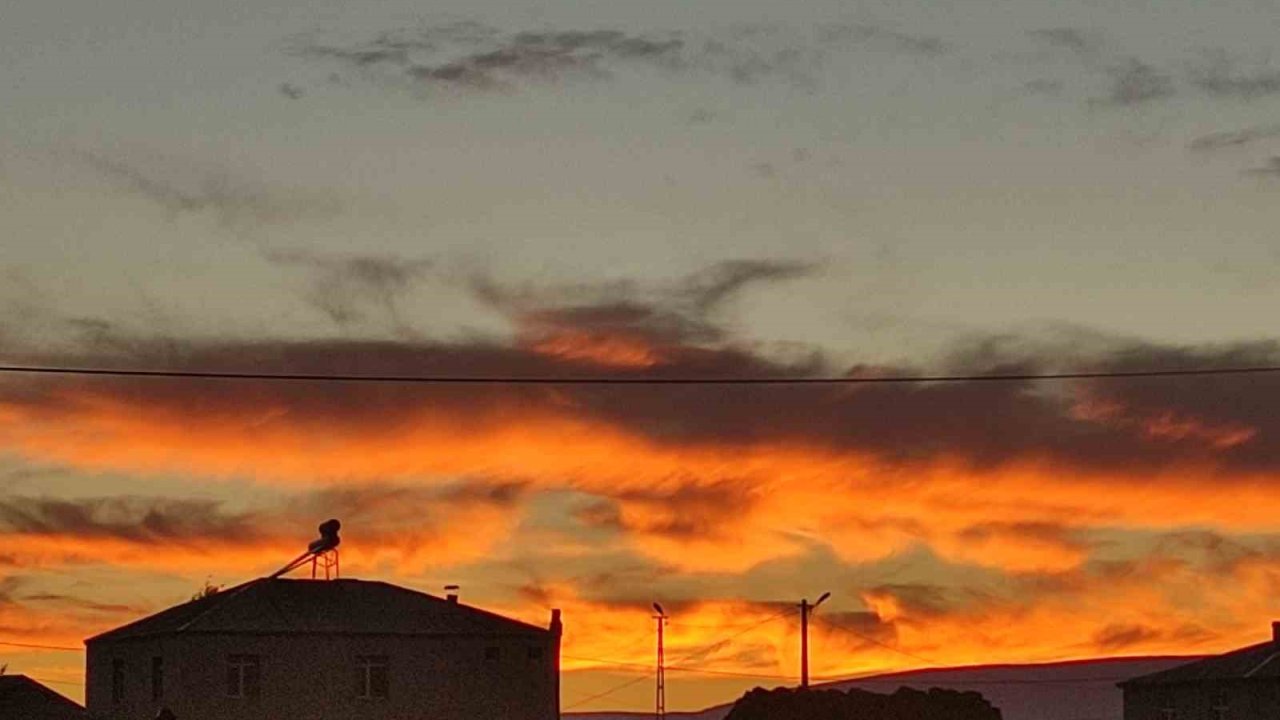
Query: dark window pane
{"type": "Point", "coordinates": [379, 684]}
{"type": "Point", "coordinates": [252, 678]}
{"type": "Point", "coordinates": [157, 678]}
{"type": "Point", "coordinates": [233, 681]}
{"type": "Point", "coordinates": [117, 680]}
{"type": "Point", "coordinates": [372, 676]}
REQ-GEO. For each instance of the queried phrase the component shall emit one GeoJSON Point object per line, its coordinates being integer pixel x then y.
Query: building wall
{"type": "Point", "coordinates": [314, 678]}
{"type": "Point", "coordinates": [1244, 700]}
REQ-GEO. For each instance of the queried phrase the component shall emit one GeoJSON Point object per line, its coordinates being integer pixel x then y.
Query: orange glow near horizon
{"type": "Point", "coordinates": [697, 511]}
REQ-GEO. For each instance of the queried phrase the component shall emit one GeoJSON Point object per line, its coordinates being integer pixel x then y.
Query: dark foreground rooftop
{"type": "Point", "coordinates": [346, 607]}
{"type": "Point", "coordinates": [1261, 661]}
{"type": "Point", "coordinates": [22, 697]}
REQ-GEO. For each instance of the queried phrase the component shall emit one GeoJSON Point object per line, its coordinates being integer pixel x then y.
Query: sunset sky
{"type": "Point", "coordinates": [661, 189]}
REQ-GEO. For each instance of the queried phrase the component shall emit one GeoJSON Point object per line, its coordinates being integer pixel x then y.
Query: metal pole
{"type": "Point", "coordinates": [660, 700]}
{"type": "Point", "coordinates": [804, 644]}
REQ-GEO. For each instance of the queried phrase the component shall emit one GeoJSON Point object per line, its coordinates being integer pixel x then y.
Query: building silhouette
{"type": "Point", "coordinates": [1242, 684]}
{"type": "Point", "coordinates": [22, 697]}
{"type": "Point", "coordinates": [319, 650]}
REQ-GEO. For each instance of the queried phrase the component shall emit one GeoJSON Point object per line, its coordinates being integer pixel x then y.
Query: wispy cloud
{"type": "Point", "coordinates": [1135, 82]}
{"type": "Point", "coordinates": [347, 288]}
{"type": "Point", "coordinates": [1269, 169]}
{"type": "Point", "coordinates": [486, 59]}
{"type": "Point", "coordinates": [877, 37]}
{"type": "Point", "coordinates": [1084, 43]}
{"type": "Point", "coordinates": [1234, 138]}
{"type": "Point", "coordinates": [183, 187]}
{"type": "Point", "coordinates": [1221, 75]}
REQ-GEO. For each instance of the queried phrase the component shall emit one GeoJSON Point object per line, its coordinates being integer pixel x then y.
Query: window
{"type": "Point", "coordinates": [117, 681]}
{"type": "Point", "coordinates": [492, 653]}
{"type": "Point", "coordinates": [373, 680]}
{"type": "Point", "coordinates": [535, 652]}
{"type": "Point", "coordinates": [244, 676]}
{"type": "Point", "coordinates": [157, 678]}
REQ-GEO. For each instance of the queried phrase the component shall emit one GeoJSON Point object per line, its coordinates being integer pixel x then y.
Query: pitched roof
{"type": "Point", "coordinates": [1255, 661]}
{"type": "Point", "coordinates": [340, 607]}
{"type": "Point", "coordinates": [22, 697]}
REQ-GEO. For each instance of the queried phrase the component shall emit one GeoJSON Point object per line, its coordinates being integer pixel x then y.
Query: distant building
{"type": "Point", "coordinates": [1243, 684]}
{"type": "Point", "coordinates": [22, 697]}
{"type": "Point", "coordinates": [325, 650]}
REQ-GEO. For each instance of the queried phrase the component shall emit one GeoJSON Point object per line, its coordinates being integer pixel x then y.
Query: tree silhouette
{"type": "Point", "coordinates": [904, 704]}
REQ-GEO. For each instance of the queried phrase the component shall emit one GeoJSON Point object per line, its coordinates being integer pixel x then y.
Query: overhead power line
{"type": "Point", "coordinates": [840, 626]}
{"type": "Point", "coordinates": [685, 656]}
{"type": "Point", "coordinates": [633, 380]}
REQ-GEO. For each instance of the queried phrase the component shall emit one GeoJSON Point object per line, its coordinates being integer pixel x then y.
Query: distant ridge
{"type": "Point", "coordinates": [1063, 690]}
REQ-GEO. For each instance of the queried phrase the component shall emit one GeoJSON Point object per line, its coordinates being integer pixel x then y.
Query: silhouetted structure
{"type": "Point", "coordinates": [322, 554]}
{"type": "Point", "coordinates": [312, 650]}
{"type": "Point", "coordinates": [905, 704]}
{"type": "Point", "coordinates": [22, 697]}
{"type": "Point", "coordinates": [1243, 684]}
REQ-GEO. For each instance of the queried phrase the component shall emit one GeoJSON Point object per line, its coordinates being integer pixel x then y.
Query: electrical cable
{"type": "Point", "coordinates": [623, 380]}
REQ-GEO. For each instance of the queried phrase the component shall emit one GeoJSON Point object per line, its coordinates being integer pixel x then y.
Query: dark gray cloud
{"type": "Point", "coordinates": [861, 35]}
{"type": "Point", "coordinates": [74, 603]}
{"type": "Point", "coordinates": [1134, 82]}
{"type": "Point", "coordinates": [1117, 637]}
{"type": "Point", "coordinates": [149, 521]}
{"type": "Point", "coordinates": [1271, 168]}
{"type": "Point", "coordinates": [687, 511]}
{"type": "Point", "coordinates": [922, 600]}
{"type": "Point", "coordinates": [182, 188]}
{"type": "Point", "coordinates": [1082, 42]}
{"type": "Point", "coordinates": [1221, 75]}
{"type": "Point", "coordinates": [1234, 138]}
{"type": "Point", "coordinates": [485, 59]}
{"type": "Point", "coordinates": [347, 288]}
{"type": "Point", "coordinates": [390, 514]}
{"type": "Point", "coordinates": [473, 56]}
{"type": "Point", "coordinates": [679, 313]}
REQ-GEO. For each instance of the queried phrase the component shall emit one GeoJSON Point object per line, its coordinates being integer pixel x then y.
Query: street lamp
{"type": "Point", "coordinates": [805, 610]}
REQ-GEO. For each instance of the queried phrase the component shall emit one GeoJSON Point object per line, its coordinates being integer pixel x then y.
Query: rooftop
{"type": "Point", "coordinates": [341, 607]}
{"type": "Point", "coordinates": [1255, 661]}
{"type": "Point", "coordinates": [22, 697]}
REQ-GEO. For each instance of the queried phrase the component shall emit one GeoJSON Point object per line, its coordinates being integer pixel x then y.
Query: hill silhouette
{"type": "Point", "coordinates": [1064, 690]}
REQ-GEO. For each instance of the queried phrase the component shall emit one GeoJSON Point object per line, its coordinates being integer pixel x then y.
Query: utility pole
{"type": "Point", "coordinates": [660, 692]}
{"type": "Point", "coordinates": [805, 609]}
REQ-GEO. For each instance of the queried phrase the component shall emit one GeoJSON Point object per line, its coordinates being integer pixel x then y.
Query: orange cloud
{"type": "Point", "coordinates": [605, 350]}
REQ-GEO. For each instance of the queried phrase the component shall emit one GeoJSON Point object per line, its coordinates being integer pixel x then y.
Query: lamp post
{"type": "Point", "coordinates": [805, 609]}
{"type": "Point", "coordinates": [660, 692]}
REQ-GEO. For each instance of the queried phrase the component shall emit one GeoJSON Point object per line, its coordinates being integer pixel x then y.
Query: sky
{"type": "Point", "coordinates": [667, 189]}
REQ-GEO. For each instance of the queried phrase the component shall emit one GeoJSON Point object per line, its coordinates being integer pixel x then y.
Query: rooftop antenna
{"type": "Point", "coordinates": [322, 553]}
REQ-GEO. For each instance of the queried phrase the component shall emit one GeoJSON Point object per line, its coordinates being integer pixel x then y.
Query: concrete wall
{"type": "Point", "coordinates": [314, 678]}
{"type": "Point", "coordinates": [1245, 700]}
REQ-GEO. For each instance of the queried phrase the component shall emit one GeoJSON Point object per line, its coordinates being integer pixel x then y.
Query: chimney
{"type": "Point", "coordinates": [555, 626]}
{"type": "Point", "coordinates": [451, 593]}
{"type": "Point", "coordinates": [1275, 632]}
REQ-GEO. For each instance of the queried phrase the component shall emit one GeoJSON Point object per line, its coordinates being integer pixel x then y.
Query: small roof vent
{"type": "Point", "coordinates": [451, 593]}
